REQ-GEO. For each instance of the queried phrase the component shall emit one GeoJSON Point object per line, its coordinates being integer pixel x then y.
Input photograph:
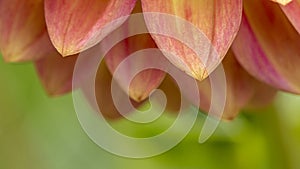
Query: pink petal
{"type": "Point", "coordinates": [267, 45]}
{"type": "Point", "coordinates": [74, 25]}
{"type": "Point", "coordinates": [218, 20]}
{"type": "Point", "coordinates": [23, 30]}
{"type": "Point", "coordinates": [145, 81]}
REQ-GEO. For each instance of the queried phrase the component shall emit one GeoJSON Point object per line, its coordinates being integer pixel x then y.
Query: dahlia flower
{"type": "Point", "coordinates": [257, 41]}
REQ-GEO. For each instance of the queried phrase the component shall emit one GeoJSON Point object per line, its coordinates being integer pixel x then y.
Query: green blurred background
{"type": "Point", "coordinates": [38, 132]}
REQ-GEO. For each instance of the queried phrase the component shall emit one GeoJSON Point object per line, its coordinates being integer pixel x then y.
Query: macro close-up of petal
{"type": "Point", "coordinates": [23, 34]}
{"type": "Point", "coordinates": [144, 82]}
{"type": "Point", "coordinates": [75, 25]}
{"type": "Point", "coordinates": [56, 73]}
{"type": "Point", "coordinates": [217, 20]}
{"type": "Point", "coordinates": [267, 45]}
{"type": "Point", "coordinates": [152, 84]}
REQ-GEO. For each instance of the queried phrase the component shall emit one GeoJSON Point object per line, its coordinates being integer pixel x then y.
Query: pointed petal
{"type": "Point", "coordinates": [23, 30]}
{"type": "Point", "coordinates": [292, 11]}
{"type": "Point", "coordinates": [219, 20]}
{"type": "Point", "coordinates": [267, 45]}
{"type": "Point", "coordinates": [74, 25]}
{"type": "Point", "coordinates": [104, 95]}
{"type": "Point", "coordinates": [56, 73]}
{"type": "Point", "coordinates": [144, 82]}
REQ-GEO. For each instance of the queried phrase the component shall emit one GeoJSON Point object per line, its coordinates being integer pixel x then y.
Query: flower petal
{"type": "Point", "coordinates": [267, 45]}
{"type": "Point", "coordinates": [145, 81]}
{"type": "Point", "coordinates": [23, 30]}
{"type": "Point", "coordinates": [218, 20]}
{"type": "Point", "coordinates": [56, 73]}
{"type": "Point", "coordinates": [292, 11]}
{"type": "Point", "coordinates": [74, 25]}
{"type": "Point", "coordinates": [240, 90]}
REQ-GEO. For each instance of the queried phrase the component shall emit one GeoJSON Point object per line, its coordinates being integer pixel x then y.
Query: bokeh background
{"type": "Point", "coordinates": [38, 132]}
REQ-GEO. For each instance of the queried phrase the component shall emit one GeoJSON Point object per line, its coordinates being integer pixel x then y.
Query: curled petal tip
{"type": "Point", "coordinates": [75, 25]}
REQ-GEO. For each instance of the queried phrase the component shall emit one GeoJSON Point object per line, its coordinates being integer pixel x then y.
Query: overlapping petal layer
{"type": "Point", "coordinates": [75, 25]}
{"type": "Point", "coordinates": [23, 34]}
{"type": "Point", "coordinates": [268, 46]}
{"type": "Point", "coordinates": [241, 91]}
{"type": "Point", "coordinates": [218, 20]}
{"type": "Point", "coordinates": [292, 11]}
{"type": "Point", "coordinates": [147, 80]}
{"type": "Point", "coordinates": [56, 72]}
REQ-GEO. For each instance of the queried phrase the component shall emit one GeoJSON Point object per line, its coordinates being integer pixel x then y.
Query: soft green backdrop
{"type": "Point", "coordinates": [38, 132]}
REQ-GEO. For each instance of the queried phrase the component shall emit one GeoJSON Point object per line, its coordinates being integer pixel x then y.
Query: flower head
{"type": "Point", "coordinates": [263, 36]}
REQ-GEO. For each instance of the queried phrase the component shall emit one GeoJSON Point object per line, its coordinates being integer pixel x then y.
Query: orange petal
{"type": "Point", "coordinates": [145, 81]}
{"type": "Point", "coordinates": [292, 11]}
{"type": "Point", "coordinates": [74, 25]}
{"type": "Point", "coordinates": [267, 45]}
{"type": "Point", "coordinates": [23, 30]}
{"type": "Point", "coordinates": [218, 20]}
{"type": "Point", "coordinates": [56, 73]}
